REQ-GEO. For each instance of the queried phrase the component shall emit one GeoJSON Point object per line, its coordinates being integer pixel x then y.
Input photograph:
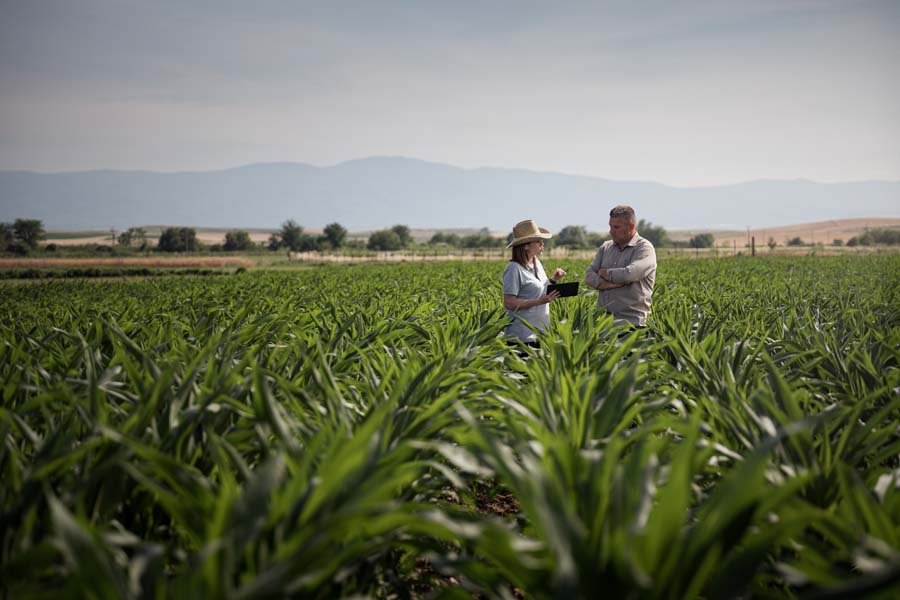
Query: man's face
{"type": "Point", "coordinates": [620, 230]}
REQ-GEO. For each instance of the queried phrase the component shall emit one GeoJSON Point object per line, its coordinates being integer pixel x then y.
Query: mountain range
{"type": "Point", "coordinates": [382, 191]}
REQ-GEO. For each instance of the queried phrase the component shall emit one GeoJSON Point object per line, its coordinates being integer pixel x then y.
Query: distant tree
{"type": "Point", "coordinates": [237, 239]}
{"type": "Point", "coordinates": [853, 242]}
{"type": "Point", "coordinates": [275, 241]}
{"type": "Point", "coordinates": [575, 236]}
{"type": "Point", "coordinates": [482, 239]}
{"type": "Point", "coordinates": [335, 234]}
{"type": "Point", "coordinates": [133, 236]}
{"type": "Point", "coordinates": [796, 241]}
{"type": "Point", "coordinates": [403, 234]}
{"type": "Point", "coordinates": [178, 239]}
{"type": "Point", "coordinates": [308, 243]}
{"type": "Point", "coordinates": [29, 232]}
{"type": "Point", "coordinates": [888, 236]}
{"type": "Point", "coordinates": [657, 235]}
{"type": "Point", "coordinates": [702, 240]}
{"type": "Point", "coordinates": [385, 239]}
{"type": "Point", "coordinates": [837, 242]}
{"type": "Point", "coordinates": [7, 237]}
{"type": "Point", "coordinates": [772, 243]}
{"type": "Point", "coordinates": [472, 241]}
{"type": "Point", "coordinates": [595, 240]}
{"type": "Point", "coordinates": [451, 239]}
{"type": "Point", "coordinates": [291, 235]}
{"type": "Point", "coordinates": [872, 237]}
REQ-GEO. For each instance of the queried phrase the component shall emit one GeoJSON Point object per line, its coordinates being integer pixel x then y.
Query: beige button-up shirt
{"type": "Point", "coordinates": [634, 265]}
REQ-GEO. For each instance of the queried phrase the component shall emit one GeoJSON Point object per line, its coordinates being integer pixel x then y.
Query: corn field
{"type": "Point", "coordinates": [365, 431]}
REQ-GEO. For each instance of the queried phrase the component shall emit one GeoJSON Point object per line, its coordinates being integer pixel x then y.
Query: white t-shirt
{"type": "Point", "coordinates": [524, 283]}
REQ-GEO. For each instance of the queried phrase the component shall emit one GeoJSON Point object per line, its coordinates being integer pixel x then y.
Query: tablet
{"type": "Point", "coordinates": [564, 289]}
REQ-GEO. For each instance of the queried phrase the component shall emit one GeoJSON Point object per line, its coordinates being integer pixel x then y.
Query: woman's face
{"type": "Point", "coordinates": [536, 247]}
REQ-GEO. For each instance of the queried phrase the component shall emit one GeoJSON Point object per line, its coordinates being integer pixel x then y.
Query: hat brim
{"type": "Point", "coordinates": [543, 235]}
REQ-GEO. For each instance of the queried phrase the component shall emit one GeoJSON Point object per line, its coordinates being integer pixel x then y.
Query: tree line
{"type": "Point", "coordinates": [24, 235]}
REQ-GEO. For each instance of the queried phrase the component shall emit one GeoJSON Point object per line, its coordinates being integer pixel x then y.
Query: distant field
{"type": "Point", "coordinates": [824, 232]}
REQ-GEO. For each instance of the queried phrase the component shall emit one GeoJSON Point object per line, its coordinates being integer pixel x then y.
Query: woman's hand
{"type": "Point", "coordinates": [546, 298]}
{"type": "Point", "coordinates": [558, 274]}
{"type": "Point", "coordinates": [511, 302]}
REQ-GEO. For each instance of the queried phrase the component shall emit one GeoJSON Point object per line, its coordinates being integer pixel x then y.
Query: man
{"type": "Point", "coordinates": [624, 270]}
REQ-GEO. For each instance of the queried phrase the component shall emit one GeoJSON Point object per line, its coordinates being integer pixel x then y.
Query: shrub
{"type": "Point", "coordinates": [383, 240]}
{"type": "Point", "coordinates": [178, 239]}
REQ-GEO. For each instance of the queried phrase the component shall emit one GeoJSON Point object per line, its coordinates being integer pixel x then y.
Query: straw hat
{"type": "Point", "coordinates": [528, 231]}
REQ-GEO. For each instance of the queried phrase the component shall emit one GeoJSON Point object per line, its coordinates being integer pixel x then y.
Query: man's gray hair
{"type": "Point", "coordinates": [623, 211]}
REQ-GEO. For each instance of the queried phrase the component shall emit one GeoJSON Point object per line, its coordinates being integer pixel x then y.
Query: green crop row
{"type": "Point", "coordinates": [367, 431]}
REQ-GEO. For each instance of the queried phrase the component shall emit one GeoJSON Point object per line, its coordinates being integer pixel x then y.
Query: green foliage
{"type": "Point", "coordinates": [403, 234]}
{"type": "Point", "coordinates": [178, 239]}
{"type": "Point", "coordinates": [7, 237]}
{"type": "Point", "coordinates": [21, 236]}
{"type": "Point", "coordinates": [335, 234]}
{"type": "Point", "coordinates": [656, 234]}
{"type": "Point", "coordinates": [873, 237]}
{"type": "Point", "coordinates": [575, 236]}
{"type": "Point", "coordinates": [329, 433]}
{"type": "Point", "coordinates": [702, 240]}
{"type": "Point", "coordinates": [451, 239]}
{"type": "Point", "coordinates": [595, 240]}
{"type": "Point", "coordinates": [796, 241]}
{"type": "Point", "coordinates": [482, 239]}
{"type": "Point", "coordinates": [133, 236]}
{"type": "Point", "coordinates": [28, 232]}
{"type": "Point", "coordinates": [384, 240]}
{"type": "Point", "coordinates": [291, 235]}
{"type": "Point", "coordinates": [237, 240]}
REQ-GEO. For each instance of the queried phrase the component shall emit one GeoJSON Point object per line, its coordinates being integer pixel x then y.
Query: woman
{"type": "Point", "coordinates": [525, 294]}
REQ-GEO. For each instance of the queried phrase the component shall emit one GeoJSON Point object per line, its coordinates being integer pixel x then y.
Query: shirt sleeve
{"type": "Point", "coordinates": [511, 283]}
{"type": "Point", "coordinates": [642, 262]}
{"type": "Point", "coordinates": [591, 279]}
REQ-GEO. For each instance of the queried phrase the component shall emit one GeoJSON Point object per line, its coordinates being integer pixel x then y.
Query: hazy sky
{"type": "Point", "coordinates": [685, 93]}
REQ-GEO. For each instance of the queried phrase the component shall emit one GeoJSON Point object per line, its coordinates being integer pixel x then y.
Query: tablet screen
{"type": "Point", "coordinates": [564, 289]}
